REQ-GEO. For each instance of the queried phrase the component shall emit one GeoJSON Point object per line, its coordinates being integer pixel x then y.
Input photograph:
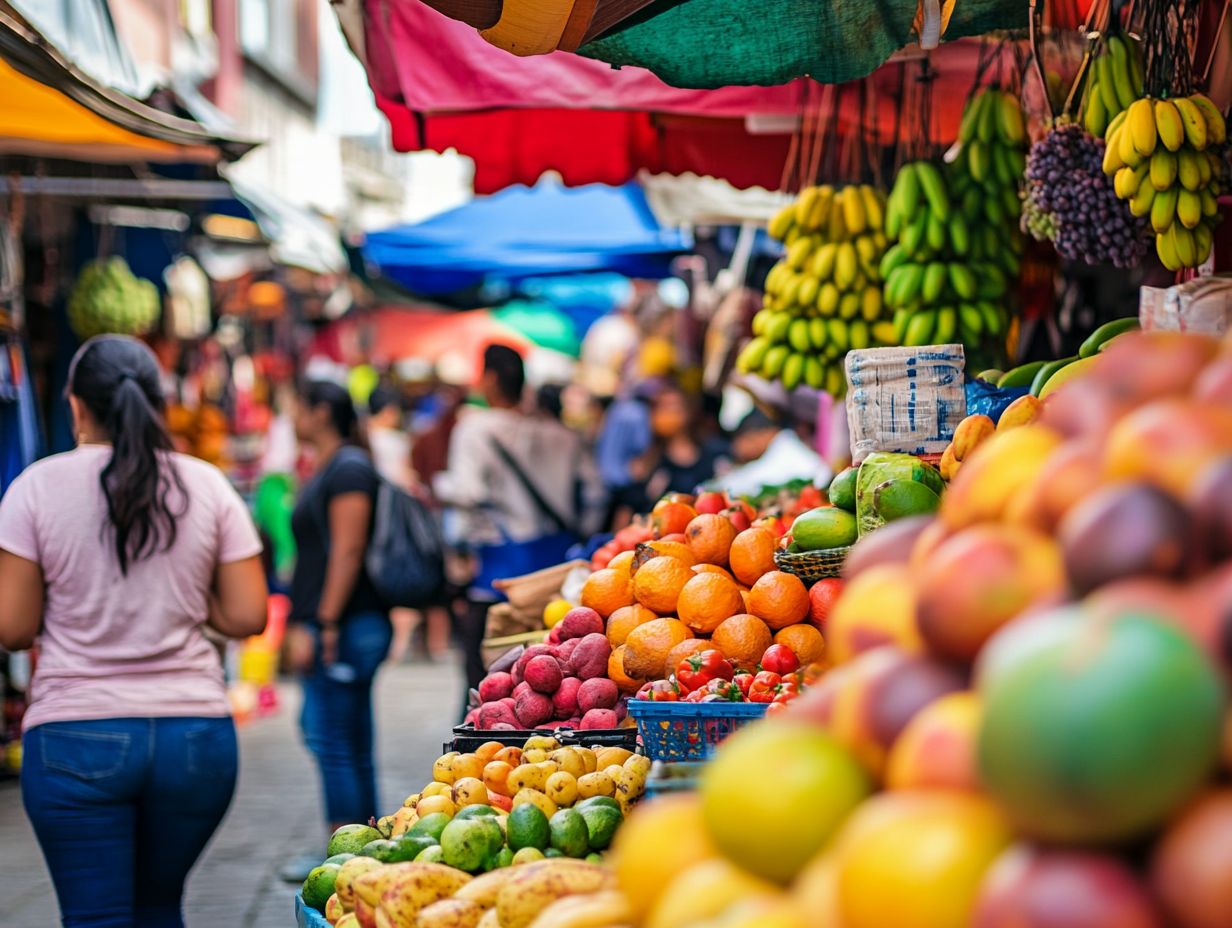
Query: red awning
{"type": "Point", "coordinates": [442, 86]}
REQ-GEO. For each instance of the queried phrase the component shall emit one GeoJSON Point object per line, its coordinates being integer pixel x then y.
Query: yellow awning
{"type": "Point", "coordinates": [40, 121]}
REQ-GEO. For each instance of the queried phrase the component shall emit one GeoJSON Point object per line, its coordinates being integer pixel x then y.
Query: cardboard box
{"type": "Point", "coordinates": [908, 400]}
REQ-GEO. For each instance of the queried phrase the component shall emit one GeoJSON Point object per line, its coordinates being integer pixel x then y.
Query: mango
{"type": "Point", "coordinates": [937, 748]}
{"type": "Point", "coordinates": [970, 434]}
{"type": "Point", "coordinates": [980, 579]}
{"type": "Point", "coordinates": [876, 608]}
{"type": "Point", "coordinates": [996, 473]}
{"type": "Point", "coordinates": [1023, 411]}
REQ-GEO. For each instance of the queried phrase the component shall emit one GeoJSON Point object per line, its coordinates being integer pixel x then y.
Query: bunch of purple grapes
{"type": "Point", "coordinates": [1066, 181]}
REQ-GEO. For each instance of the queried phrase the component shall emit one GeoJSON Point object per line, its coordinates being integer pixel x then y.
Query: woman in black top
{"type": "Point", "coordinates": [342, 630]}
{"type": "Point", "coordinates": [677, 462]}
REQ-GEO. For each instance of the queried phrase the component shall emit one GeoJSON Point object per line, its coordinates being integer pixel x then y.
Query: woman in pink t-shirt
{"type": "Point", "coordinates": [115, 557]}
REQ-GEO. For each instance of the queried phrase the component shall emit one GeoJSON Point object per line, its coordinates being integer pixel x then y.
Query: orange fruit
{"type": "Point", "coordinates": [742, 639]}
{"type": "Point", "coordinates": [686, 648]}
{"type": "Point", "coordinates": [676, 549]}
{"type": "Point", "coordinates": [616, 672]}
{"type": "Point", "coordinates": [780, 599]}
{"type": "Point", "coordinates": [622, 562]}
{"type": "Point", "coordinates": [669, 517]}
{"type": "Point", "coordinates": [752, 554]}
{"type": "Point", "coordinates": [607, 590]}
{"type": "Point", "coordinates": [712, 569]}
{"type": "Point", "coordinates": [707, 600]}
{"type": "Point", "coordinates": [658, 583]}
{"type": "Point", "coordinates": [711, 536]}
{"type": "Point", "coordinates": [648, 645]}
{"type": "Point", "coordinates": [804, 641]}
{"type": "Point", "coordinates": [624, 620]}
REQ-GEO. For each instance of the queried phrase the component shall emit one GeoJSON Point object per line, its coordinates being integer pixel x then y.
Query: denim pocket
{"type": "Point", "coordinates": [211, 747]}
{"type": "Point", "coordinates": [84, 753]}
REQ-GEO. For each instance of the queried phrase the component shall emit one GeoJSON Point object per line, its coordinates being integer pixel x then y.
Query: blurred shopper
{"type": "Point", "coordinates": [677, 461]}
{"type": "Point", "coordinates": [623, 441]}
{"type": "Point", "coordinates": [128, 727]}
{"type": "Point", "coordinates": [341, 631]}
{"type": "Point", "coordinates": [390, 446]}
{"type": "Point", "coordinates": [515, 482]}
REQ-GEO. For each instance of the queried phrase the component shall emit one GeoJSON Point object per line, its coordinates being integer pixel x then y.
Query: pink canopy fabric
{"type": "Point", "coordinates": [433, 64]}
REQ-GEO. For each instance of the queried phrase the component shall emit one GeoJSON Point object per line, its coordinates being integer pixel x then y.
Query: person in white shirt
{"type": "Point", "coordinates": [521, 487]}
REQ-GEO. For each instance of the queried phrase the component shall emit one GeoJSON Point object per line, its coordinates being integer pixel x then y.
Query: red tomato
{"type": "Point", "coordinates": [780, 659]}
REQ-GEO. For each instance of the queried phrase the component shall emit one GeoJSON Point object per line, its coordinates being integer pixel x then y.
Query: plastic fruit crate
{"type": "Point", "coordinates": [467, 738]}
{"type": "Point", "coordinates": [668, 778]}
{"type": "Point", "coordinates": [306, 917]}
{"type": "Point", "coordinates": [677, 731]}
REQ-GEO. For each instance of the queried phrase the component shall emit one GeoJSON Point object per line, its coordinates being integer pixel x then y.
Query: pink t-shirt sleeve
{"type": "Point", "coordinates": [18, 530]}
{"type": "Point", "coordinates": [237, 536]}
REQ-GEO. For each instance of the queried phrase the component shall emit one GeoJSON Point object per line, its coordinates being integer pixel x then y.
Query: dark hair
{"type": "Point", "coordinates": [548, 399]}
{"type": "Point", "coordinates": [756, 421]}
{"type": "Point", "coordinates": [117, 379]}
{"type": "Point", "coordinates": [381, 399]}
{"type": "Point", "coordinates": [506, 364]}
{"type": "Point", "coordinates": [341, 410]}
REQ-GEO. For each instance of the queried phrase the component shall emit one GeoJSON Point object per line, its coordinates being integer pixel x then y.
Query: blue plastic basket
{"type": "Point", "coordinates": [306, 917]}
{"type": "Point", "coordinates": [676, 731]}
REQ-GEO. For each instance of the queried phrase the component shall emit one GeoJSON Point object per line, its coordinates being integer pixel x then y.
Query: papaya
{"type": "Point", "coordinates": [899, 499]}
{"type": "Point", "coordinates": [1096, 729]}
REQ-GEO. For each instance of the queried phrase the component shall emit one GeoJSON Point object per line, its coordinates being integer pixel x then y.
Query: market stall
{"type": "Point", "coordinates": [979, 678]}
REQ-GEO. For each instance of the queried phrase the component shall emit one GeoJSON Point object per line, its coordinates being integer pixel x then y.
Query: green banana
{"type": "Point", "coordinates": [752, 356]}
{"type": "Point", "coordinates": [920, 328]}
{"type": "Point", "coordinates": [793, 371]}
{"type": "Point", "coordinates": [1021, 376]}
{"type": "Point", "coordinates": [798, 335]}
{"type": "Point", "coordinates": [935, 278]}
{"type": "Point", "coordinates": [933, 187]}
{"type": "Point", "coordinates": [774, 360]}
{"type": "Point", "coordinates": [946, 325]}
{"type": "Point", "coordinates": [1106, 332]}
{"type": "Point", "coordinates": [960, 236]}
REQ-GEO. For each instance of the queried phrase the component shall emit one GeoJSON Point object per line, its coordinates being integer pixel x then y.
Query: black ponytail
{"type": "Point", "coordinates": [117, 379]}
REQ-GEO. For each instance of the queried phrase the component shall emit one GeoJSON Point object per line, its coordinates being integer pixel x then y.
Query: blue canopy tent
{"type": "Point", "coordinates": [525, 232]}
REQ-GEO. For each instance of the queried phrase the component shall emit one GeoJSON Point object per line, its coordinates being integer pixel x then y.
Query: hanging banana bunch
{"type": "Point", "coordinates": [824, 297]}
{"type": "Point", "coordinates": [1114, 81]}
{"type": "Point", "coordinates": [939, 292]}
{"type": "Point", "coordinates": [1163, 154]}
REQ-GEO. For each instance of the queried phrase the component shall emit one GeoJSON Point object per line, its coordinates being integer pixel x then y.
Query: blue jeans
{"type": "Point", "coordinates": [123, 808]}
{"type": "Point", "coordinates": [337, 717]}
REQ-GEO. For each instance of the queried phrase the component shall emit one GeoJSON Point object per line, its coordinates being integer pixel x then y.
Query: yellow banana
{"type": "Point", "coordinates": [827, 299]}
{"type": "Point", "coordinates": [1126, 149]}
{"type": "Point", "coordinates": [1112, 150]}
{"type": "Point", "coordinates": [1141, 204]}
{"type": "Point", "coordinates": [874, 207]}
{"type": "Point", "coordinates": [853, 211]}
{"type": "Point", "coordinates": [1187, 169]}
{"type": "Point", "coordinates": [849, 306]}
{"type": "Point", "coordinates": [846, 266]}
{"type": "Point", "coordinates": [1163, 168]}
{"type": "Point", "coordinates": [821, 265]}
{"type": "Point", "coordinates": [1165, 247]}
{"type": "Point", "coordinates": [798, 253]}
{"type": "Point", "coordinates": [1193, 121]}
{"type": "Point", "coordinates": [805, 204]}
{"type": "Point", "coordinates": [1216, 127]}
{"type": "Point", "coordinates": [1204, 239]}
{"type": "Point", "coordinates": [1128, 180]}
{"type": "Point", "coordinates": [1186, 247]}
{"type": "Point", "coordinates": [836, 229]}
{"type": "Point", "coordinates": [1163, 210]}
{"type": "Point", "coordinates": [870, 304]}
{"type": "Point", "coordinates": [1210, 203]}
{"type": "Point", "coordinates": [1142, 128]}
{"type": "Point", "coordinates": [1188, 209]}
{"type": "Point", "coordinates": [782, 222]}
{"type": "Point", "coordinates": [1168, 125]}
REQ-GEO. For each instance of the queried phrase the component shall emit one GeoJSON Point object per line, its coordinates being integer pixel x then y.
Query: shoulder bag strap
{"type": "Point", "coordinates": [545, 507]}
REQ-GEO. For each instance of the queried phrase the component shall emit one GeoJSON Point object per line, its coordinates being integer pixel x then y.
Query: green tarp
{"type": "Point", "coordinates": [716, 43]}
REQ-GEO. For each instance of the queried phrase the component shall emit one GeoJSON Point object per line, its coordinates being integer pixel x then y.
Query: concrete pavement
{"type": "Point", "coordinates": [275, 813]}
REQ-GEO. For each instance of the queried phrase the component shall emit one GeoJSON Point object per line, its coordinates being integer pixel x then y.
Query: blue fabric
{"type": "Point", "coordinates": [625, 436]}
{"type": "Point", "coordinates": [123, 808]}
{"type": "Point", "coordinates": [525, 232]}
{"type": "Point", "coordinates": [985, 399]}
{"type": "Point", "coordinates": [336, 719]}
{"type": "Point", "coordinates": [516, 559]}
